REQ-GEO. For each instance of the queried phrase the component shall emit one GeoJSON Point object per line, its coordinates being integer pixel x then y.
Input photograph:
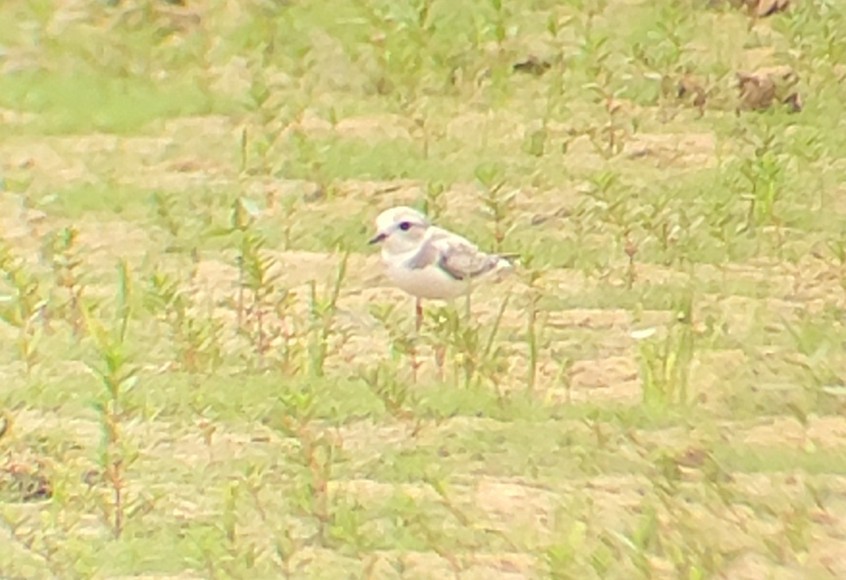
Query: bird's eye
{"type": "Point", "coordinates": [405, 226]}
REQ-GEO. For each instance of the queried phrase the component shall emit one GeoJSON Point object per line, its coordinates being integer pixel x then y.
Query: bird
{"type": "Point", "coordinates": [428, 262]}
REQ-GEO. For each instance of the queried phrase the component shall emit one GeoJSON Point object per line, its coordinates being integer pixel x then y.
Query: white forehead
{"type": "Point", "coordinates": [395, 215]}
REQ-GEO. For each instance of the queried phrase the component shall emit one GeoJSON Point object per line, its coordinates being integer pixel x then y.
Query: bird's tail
{"type": "Point", "coordinates": [508, 260]}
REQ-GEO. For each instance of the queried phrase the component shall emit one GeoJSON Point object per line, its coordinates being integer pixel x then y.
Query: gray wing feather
{"type": "Point", "coordinates": [462, 262]}
{"type": "Point", "coordinates": [455, 255]}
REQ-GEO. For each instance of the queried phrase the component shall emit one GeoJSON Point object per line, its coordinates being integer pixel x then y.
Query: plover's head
{"type": "Point", "coordinates": [400, 229]}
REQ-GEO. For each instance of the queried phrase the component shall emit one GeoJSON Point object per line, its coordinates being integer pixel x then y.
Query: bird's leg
{"type": "Point", "coordinates": [418, 324]}
{"type": "Point", "coordinates": [440, 359]}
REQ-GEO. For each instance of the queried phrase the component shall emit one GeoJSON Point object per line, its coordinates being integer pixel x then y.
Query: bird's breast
{"type": "Point", "coordinates": [430, 282]}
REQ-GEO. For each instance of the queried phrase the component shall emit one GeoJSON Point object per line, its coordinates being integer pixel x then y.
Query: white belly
{"type": "Point", "coordinates": [430, 282]}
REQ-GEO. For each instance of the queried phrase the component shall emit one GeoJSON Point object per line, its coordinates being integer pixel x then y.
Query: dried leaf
{"type": "Point", "coordinates": [532, 65]}
{"type": "Point", "coordinates": [767, 86]}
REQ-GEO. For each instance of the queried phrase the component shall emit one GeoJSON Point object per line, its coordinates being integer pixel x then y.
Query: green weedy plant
{"type": "Point", "coordinates": [557, 94]}
{"type": "Point", "coordinates": [497, 26]}
{"type": "Point", "coordinates": [168, 216]}
{"type": "Point", "coordinates": [402, 344]}
{"type": "Point", "coordinates": [434, 200]}
{"type": "Point", "coordinates": [317, 450]}
{"type": "Point", "coordinates": [395, 394]}
{"type": "Point", "coordinates": [535, 138]}
{"type": "Point", "coordinates": [229, 517]}
{"type": "Point", "coordinates": [257, 143]}
{"type": "Point", "coordinates": [238, 546]}
{"type": "Point", "coordinates": [444, 323]}
{"type": "Point", "coordinates": [591, 42]}
{"type": "Point", "coordinates": [240, 552]}
{"type": "Point", "coordinates": [724, 224]}
{"type": "Point", "coordinates": [631, 249]}
{"type": "Point", "coordinates": [605, 189]}
{"type": "Point", "coordinates": [499, 204]}
{"type": "Point", "coordinates": [813, 340]}
{"type": "Point", "coordinates": [61, 252]}
{"type": "Point", "coordinates": [814, 31]}
{"type": "Point", "coordinates": [262, 307]}
{"type": "Point", "coordinates": [259, 280]}
{"type": "Point", "coordinates": [614, 208]}
{"type": "Point", "coordinates": [659, 219]}
{"type": "Point", "coordinates": [285, 545]}
{"type": "Point", "coordinates": [197, 340]}
{"type": "Point", "coordinates": [289, 350]}
{"type": "Point", "coordinates": [686, 237]}
{"type": "Point", "coordinates": [439, 483]}
{"type": "Point", "coordinates": [183, 226]}
{"type": "Point", "coordinates": [349, 531]}
{"type": "Point", "coordinates": [475, 357]}
{"type": "Point", "coordinates": [693, 552]}
{"type": "Point", "coordinates": [322, 319]}
{"type": "Point", "coordinates": [375, 17]}
{"type": "Point", "coordinates": [532, 277]}
{"type": "Point", "coordinates": [643, 539]}
{"type": "Point", "coordinates": [663, 52]}
{"type": "Point", "coordinates": [407, 50]}
{"type": "Point", "coordinates": [760, 177]}
{"type": "Point", "coordinates": [25, 308]}
{"type": "Point", "coordinates": [271, 116]}
{"type": "Point", "coordinates": [584, 221]}
{"type": "Point", "coordinates": [607, 138]}
{"type": "Point", "coordinates": [565, 555]}
{"type": "Point", "coordinates": [427, 527]}
{"type": "Point", "coordinates": [118, 376]}
{"type": "Point", "coordinates": [666, 524]}
{"type": "Point", "coordinates": [665, 363]}
{"type": "Point", "coordinates": [258, 292]}
{"type": "Point", "coordinates": [421, 129]}
{"type": "Point", "coordinates": [289, 207]}
{"type": "Point", "coordinates": [309, 157]}
{"type": "Point", "coordinates": [796, 523]}
{"type": "Point", "coordinates": [565, 366]}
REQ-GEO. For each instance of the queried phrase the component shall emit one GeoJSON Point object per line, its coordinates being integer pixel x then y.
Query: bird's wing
{"type": "Point", "coordinates": [456, 256]}
{"type": "Point", "coordinates": [463, 262]}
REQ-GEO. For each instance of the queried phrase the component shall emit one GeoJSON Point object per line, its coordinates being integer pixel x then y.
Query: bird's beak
{"type": "Point", "coordinates": [378, 238]}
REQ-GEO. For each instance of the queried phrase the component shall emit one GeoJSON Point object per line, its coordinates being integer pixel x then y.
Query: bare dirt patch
{"type": "Point", "coordinates": [106, 242]}
{"type": "Point", "coordinates": [514, 506]}
{"type": "Point", "coordinates": [44, 164]}
{"type": "Point", "coordinates": [608, 379]}
{"type": "Point", "coordinates": [360, 127]}
{"type": "Point", "coordinates": [825, 432]}
{"type": "Point", "coordinates": [681, 149]}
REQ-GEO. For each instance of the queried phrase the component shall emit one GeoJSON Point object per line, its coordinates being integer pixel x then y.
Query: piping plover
{"type": "Point", "coordinates": [429, 262]}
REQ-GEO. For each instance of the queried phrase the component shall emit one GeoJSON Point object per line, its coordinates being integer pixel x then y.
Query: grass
{"type": "Point", "coordinates": [206, 377]}
{"type": "Point", "coordinates": [92, 101]}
